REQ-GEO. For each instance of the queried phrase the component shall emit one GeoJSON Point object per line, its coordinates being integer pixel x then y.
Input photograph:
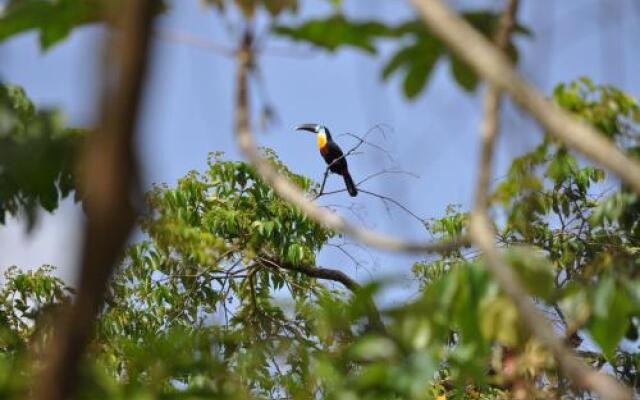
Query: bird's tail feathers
{"type": "Point", "coordinates": [351, 187]}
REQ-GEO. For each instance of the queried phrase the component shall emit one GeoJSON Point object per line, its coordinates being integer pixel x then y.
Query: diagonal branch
{"type": "Point", "coordinates": [494, 66]}
{"type": "Point", "coordinates": [109, 187]}
{"type": "Point", "coordinates": [317, 272]}
{"type": "Point", "coordinates": [482, 234]}
{"type": "Point", "coordinates": [375, 321]}
{"type": "Point", "coordinates": [291, 193]}
{"type": "Point", "coordinates": [581, 375]}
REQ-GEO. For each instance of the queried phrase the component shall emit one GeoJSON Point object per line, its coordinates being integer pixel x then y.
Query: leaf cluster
{"type": "Point", "coordinates": [212, 269]}
{"type": "Point", "coordinates": [54, 19]}
{"type": "Point", "coordinates": [37, 155]}
{"type": "Point", "coordinates": [570, 233]}
{"type": "Point", "coordinates": [418, 49]}
{"type": "Point", "coordinates": [250, 7]}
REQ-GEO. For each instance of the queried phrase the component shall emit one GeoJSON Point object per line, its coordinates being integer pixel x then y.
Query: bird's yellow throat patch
{"type": "Point", "coordinates": [322, 139]}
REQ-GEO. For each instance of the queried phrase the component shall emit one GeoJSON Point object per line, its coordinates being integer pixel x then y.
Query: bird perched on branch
{"type": "Point", "coordinates": [332, 154]}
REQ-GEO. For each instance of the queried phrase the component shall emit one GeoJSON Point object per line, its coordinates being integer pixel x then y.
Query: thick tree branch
{"type": "Point", "coordinates": [482, 234]}
{"type": "Point", "coordinates": [375, 321]}
{"type": "Point", "coordinates": [322, 273]}
{"type": "Point", "coordinates": [494, 66]}
{"type": "Point", "coordinates": [291, 193]}
{"type": "Point", "coordinates": [109, 185]}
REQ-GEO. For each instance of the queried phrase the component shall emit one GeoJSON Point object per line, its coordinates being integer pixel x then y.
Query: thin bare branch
{"type": "Point", "coordinates": [494, 66]}
{"type": "Point", "coordinates": [371, 144]}
{"type": "Point", "coordinates": [387, 199]}
{"type": "Point", "coordinates": [192, 40]}
{"type": "Point", "coordinates": [387, 172]}
{"type": "Point", "coordinates": [109, 187]}
{"type": "Point", "coordinates": [291, 193]}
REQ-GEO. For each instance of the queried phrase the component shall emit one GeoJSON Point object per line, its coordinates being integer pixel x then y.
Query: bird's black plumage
{"type": "Point", "coordinates": [332, 155]}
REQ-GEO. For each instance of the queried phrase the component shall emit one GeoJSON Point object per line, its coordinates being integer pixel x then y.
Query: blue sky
{"type": "Point", "coordinates": [188, 110]}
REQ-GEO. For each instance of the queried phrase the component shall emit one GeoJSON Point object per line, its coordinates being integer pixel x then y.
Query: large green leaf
{"type": "Point", "coordinates": [610, 321]}
{"type": "Point", "coordinates": [336, 31]}
{"type": "Point", "coordinates": [52, 19]}
{"type": "Point", "coordinates": [37, 155]}
{"type": "Point", "coordinates": [55, 19]}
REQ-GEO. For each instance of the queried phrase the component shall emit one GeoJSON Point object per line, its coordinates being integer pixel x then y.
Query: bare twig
{"type": "Point", "coordinates": [214, 47]}
{"type": "Point", "coordinates": [387, 199]}
{"type": "Point", "coordinates": [482, 234]}
{"type": "Point", "coordinates": [192, 40]}
{"type": "Point", "coordinates": [109, 186]}
{"type": "Point", "coordinates": [353, 208]}
{"type": "Point", "coordinates": [383, 198]}
{"type": "Point", "coordinates": [367, 178]}
{"type": "Point", "coordinates": [340, 247]}
{"type": "Point", "coordinates": [370, 144]}
{"type": "Point", "coordinates": [385, 172]}
{"type": "Point", "coordinates": [291, 193]}
{"type": "Point", "coordinates": [494, 66]}
{"type": "Point", "coordinates": [324, 181]}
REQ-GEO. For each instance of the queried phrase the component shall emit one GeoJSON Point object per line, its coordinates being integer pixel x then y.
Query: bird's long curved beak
{"type": "Point", "coordinates": [307, 127]}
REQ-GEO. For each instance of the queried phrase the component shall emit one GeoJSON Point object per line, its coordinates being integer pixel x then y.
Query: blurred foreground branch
{"type": "Point", "coordinates": [109, 186]}
{"type": "Point", "coordinates": [581, 375]}
{"type": "Point", "coordinates": [494, 66]}
{"type": "Point", "coordinates": [482, 234]}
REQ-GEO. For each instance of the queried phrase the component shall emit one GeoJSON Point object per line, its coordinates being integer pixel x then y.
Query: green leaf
{"type": "Point", "coordinates": [53, 19]}
{"type": "Point", "coordinates": [336, 31]}
{"type": "Point", "coordinates": [499, 319]}
{"type": "Point", "coordinates": [611, 308]}
{"type": "Point", "coordinates": [276, 7]}
{"type": "Point", "coordinates": [401, 58]}
{"type": "Point", "coordinates": [37, 155]}
{"type": "Point", "coordinates": [535, 271]}
{"type": "Point", "coordinates": [418, 72]}
{"type": "Point", "coordinates": [373, 348]}
{"type": "Point", "coordinates": [415, 80]}
{"type": "Point", "coordinates": [464, 75]}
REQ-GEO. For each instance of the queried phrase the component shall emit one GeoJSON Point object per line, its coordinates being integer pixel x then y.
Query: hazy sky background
{"type": "Point", "coordinates": [188, 111]}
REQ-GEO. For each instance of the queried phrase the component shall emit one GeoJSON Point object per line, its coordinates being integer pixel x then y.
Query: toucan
{"type": "Point", "coordinates": [332, 154]}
